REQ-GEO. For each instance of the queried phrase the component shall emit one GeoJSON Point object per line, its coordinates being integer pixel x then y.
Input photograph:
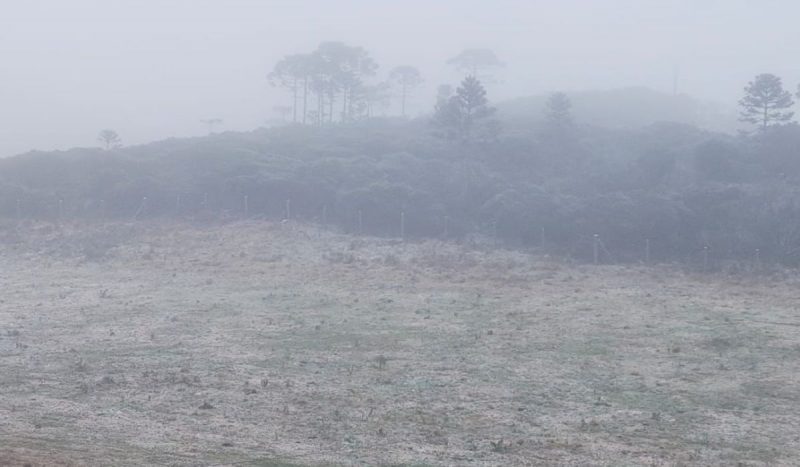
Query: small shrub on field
{"type": "Point", "coordinates": [391, 260]}
{"type": "Point", "coordinates": [95, 252]}
{"type": "Point", "coordinates": [504, 265]}
{"type": "Point", "coordinates": [446, 261]}
{"type": "Point", "coordinates": [338, 257]}
{"type": "Point", "coordinates": [106, 380]}
{"type": "Point", "coordinates": [380, 362]}
{"type": "Point", "coordinates": [501, 446]}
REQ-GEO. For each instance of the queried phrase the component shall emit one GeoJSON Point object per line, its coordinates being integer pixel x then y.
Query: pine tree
{"type": "Point", "coordinates": [765, 102]}
{"type": "Point", "coordinates": [558, 113]}
{"type": "Point", "coordinates": [467, 115]}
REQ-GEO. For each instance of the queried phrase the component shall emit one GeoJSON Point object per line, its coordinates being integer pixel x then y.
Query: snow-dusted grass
{"type": "Point", "coordinates": [260, 343]}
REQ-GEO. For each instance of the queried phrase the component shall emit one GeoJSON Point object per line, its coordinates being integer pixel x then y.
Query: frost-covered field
{"type": "Point", "coordinates": [264, 344]}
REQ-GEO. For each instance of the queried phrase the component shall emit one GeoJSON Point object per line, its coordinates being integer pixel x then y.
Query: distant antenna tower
{"type": "Point", "coordinates": [211, 122]}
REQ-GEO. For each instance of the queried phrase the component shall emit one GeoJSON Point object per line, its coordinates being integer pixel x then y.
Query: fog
{"type": "Point", "coordinates": [154, 69]}
{"type": "Point", "coordinates": [366, 232]}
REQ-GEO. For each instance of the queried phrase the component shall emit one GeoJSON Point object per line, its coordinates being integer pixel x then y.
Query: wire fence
{"type": "Point", "coordinates": [402, 223]}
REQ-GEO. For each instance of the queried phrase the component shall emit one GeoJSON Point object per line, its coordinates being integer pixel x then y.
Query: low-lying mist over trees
{"type": "Point", "coordinates": [417, 233]}
{"type": "Point", "coordinates": [152, 70]}
{"type": "Point", "coordinates": [522, 173]}
{"type": "Point", "coordinates": [647, 175]}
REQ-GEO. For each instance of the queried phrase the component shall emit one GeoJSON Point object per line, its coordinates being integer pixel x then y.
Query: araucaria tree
{"type": "Point", "coordinates": [765, 102]}
{"type": "Point", "coordinates": [109, 138]}
{"type": "Point", "coordinates": [467, 116]}
{"type": "Point", "coordinates": [339, 72]}
{"type": "Point", "coordinates": [407, 78]}
{"type": "Point", "coordinates": [293, 73]}
{"type": "Point", "coordinates": [369, 98]}
{"type": "Point", "coordinates": [333, 72]}
{"type": "Point", "coordinates": [475, 62]}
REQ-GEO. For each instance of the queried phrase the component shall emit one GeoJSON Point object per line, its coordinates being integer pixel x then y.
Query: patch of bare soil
{"type": "Point", "coordinates": [277, 344]}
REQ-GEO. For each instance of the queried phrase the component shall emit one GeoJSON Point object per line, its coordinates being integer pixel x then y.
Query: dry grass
{"type": "Point", "coordinates": [256, 343]}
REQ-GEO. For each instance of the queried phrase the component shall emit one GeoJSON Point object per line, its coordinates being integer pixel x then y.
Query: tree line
{"type": "Point", "coordinates": [338, 82]}
{"type": "Point", "coordinates": [551, 182]}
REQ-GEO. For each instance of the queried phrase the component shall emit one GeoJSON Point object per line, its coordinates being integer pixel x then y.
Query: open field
{"type": "Point", "coordinates": [266, 344]}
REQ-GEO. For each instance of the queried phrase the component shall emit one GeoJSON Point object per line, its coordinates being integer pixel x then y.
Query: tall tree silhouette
{"type": "Point", "coordinates": [408, 78]}
{"type": "Point", "coordinates": [765, 102]}
{"type": "Point", "coordinates": [466, 116]}
{"type": "Point", "coordinates": [339, 70]}
{"type": "Point", "coordinates": [109, 138]}
{"type": "Point", "coordinates": [558, 111]}
{"type": "Point", "coordinates": [475, 62]}
{"type": "Point", "coordinates": [333, 71]}
{"type": "Point", "coordinates": [291, 72]}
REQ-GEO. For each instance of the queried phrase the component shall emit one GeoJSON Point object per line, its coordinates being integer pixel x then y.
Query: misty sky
{"type": "Point", "coordinates": [152, 69]}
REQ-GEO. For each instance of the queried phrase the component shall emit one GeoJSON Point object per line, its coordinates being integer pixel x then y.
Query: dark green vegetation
{"type": "Point", "coordinates": [591, 184]}
{"type": "Point", "coordinates": [679, 187]}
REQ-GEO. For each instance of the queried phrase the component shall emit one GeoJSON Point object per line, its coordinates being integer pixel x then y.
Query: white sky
{"type": "Point", "coordinates": [152, 69]}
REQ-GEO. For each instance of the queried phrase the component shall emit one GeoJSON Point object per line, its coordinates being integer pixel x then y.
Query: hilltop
{"type": "Point", "coordinates": [677, 187]}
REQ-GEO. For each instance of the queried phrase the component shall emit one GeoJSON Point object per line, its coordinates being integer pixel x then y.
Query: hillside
{"type": "Point", "coordinates": [627, 108]}
{"type": "Point", "coordinates": [708, 199]}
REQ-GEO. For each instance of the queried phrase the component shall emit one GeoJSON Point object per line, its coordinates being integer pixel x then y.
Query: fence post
{"type": "Point", "coordinates": [647, 251]}
{"type": "Point", "coordinates": [246, 207]}
{"type": "Point", "coordinates": [288, 209]}
{"type": "Point", "coordinates": [758, 259]}
{"type": "Point", "coordinates": [596, 248]}
{"type": "Point", "coordinates": [542, 239]}
{"type": "Point", "coordinates": [446, 226]}
{"type": "Point", "coordinates": [60, 210]}
{"type": "Point", "coordinates": [141, 208]}
{"type": "Point", "coordinates": [402, 225]}
{"type": "Point", "coordinates": [705, 258]}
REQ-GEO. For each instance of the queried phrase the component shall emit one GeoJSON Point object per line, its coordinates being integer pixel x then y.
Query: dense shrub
{"type": "Point", "coordinates": [677, 187]}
